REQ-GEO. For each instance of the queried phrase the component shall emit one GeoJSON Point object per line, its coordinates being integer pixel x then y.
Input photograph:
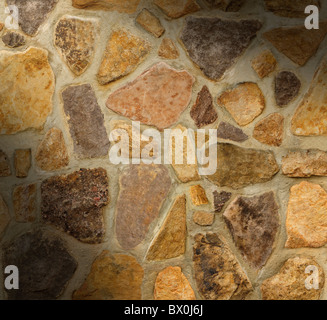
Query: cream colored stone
{"type": "Point", "coordinates": [264, 64]}
{"type": "Point", "coordinates": [22, 162]}
{"type": "Point", "coordinates": [150, 23]}
{"type": "Point", "coordinates": [168, 50]}
{"type": "Point", "coordinates": [123, 6]}
{"type": "Point", "coordinates": [198, 195]}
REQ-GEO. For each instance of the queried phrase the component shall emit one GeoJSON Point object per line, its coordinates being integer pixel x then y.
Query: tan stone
{"type": "Point", "coordinates": [123, 6]}
{"type": "Point", "coordinates": [306, 221]}
{"type": "Point", "coordinates": [1, 26]}
{"type": "Point", "coordinates": [171, 284]}
{"type": "Point", "coordinates": [198, 195]}
{"type": "Point", "coordinates": [112, 277]}
{"type": "Point", "coordinates": [26, 89]}
{"type": "Point", "coordinates": [245, 102]}
{"type": "Point", "coordinates": [150, 23]}
{"type": "Point", "coordinates": [171, 239]}
{"type": "Point", "coordinates": [177, 8]}
{"type": "Point", "coordinates": [52, 152]}
{"type": "Point", "coordinates": [264, 64]}
{"type": "Point", "coordinates": [290, 282]}
{"type": "Point", "coordinates": [4, 215]}
{"type": "Point", "coordinates": [5, 170]}
{"type": "Point", "coordinates": [24, 198]}
{"type": "Point", "coordinates": [22, 162]}
{"type": "Point", "coordinates": [168, 50]}
{"type": "Point", "coordinates": [203, 218]}
{"type": "Point", "coordinates": [124, 52]}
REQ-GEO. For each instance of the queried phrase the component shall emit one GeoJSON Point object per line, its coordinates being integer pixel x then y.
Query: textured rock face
{"type": "Point", "coordinates": [176, 9]}
{"type": "Point", "coordinates": [74, 203]}
{"type": "Point", "coordinates": [45, 266]}
{"type": "Point", "coordinates": [5, 170]}
{"type": "Point", "coordinates": [198, 195]}
{"type": "Point", "coordinates": [22, 162]}
{"type": "Point", "coordinates": [4, 215]}
{"type": "Point", "coordinates": [150, 23]}
{"type": "Point", "coordinates": [168, 50]}
{"type": "Point", "coordinates": [289, 283]}
{"type": "Point", "coordinates": [157, 97]}
{"type": "Point", "coordinates": [123, 6]}
{"type": "Point", "coordinates": [253, 223]}
{"type": "Point", "coordinates": [34, 80]}
{"type": "Point", "coordinates": [215, 44]}
{"type": "Point", "coordinates": [143, 188]}
{"type": "Point", "coordinates": [229, 132]}
{"type": "Point", "coordinates": [287, 87]}
{"type": "Point", "coordinates": [264, 64]}
{"type": "Point", "coordinates": [171, 239]}
{"type": "Point", "coordinates": [112, 277]}
{"type": "Point", "coordinates": [86, 121]}
{"type": "Point", "coordinates": [217, 272]}
{"type": "Point", "coordinates": [238, 167]}
{"type": "Point", "coordinates": [24, 198]}
{"type": "Point", "coordinates": [171, 284]}
{"type": "Point", "coordinates": [226, 5]}
{"type": "Point", "coordinates": [220, 199]}
{"type": "Point", "coordinates": [306, 221]}
{"type": "Point", "coordinates": [116, 65]}
{"type": "Point", "coordinates": [245, 102]}
{"type": "Point", "coordinates": [13, 39]}
{"type": "Point", "coordinates": [311, 115]}
{"type": "Point", "coordinates": [203, 218]}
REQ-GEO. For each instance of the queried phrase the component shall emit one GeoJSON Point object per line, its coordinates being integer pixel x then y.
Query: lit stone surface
{"type": "Point", "coordinates": [198, 195]}
{"type": "Point", "coordinates": [22, 162]}
{"type": "Point", "coordinates": [24, 198]}
{"type": "Point", "coordinates": [123, 6]}
{"type": "Point", "coordinates": [168, 50]}
{"type": "Point", "coordinates": [176, 9]}
{"type": "Point", "coordinates": [150, 23]}
{"type": "Point", "coordinates": [203, 218]}
{"type": "Point", "coordinates": [264, 64]}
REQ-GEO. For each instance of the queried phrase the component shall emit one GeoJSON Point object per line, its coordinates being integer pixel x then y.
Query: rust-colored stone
{"type": "Point", "coordinates": [198, 195]}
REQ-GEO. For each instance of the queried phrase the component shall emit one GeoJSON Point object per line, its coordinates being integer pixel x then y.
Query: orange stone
{"type": "Point", "coordinates": [168, 50]}
{"type": "Point", "coordinates": [123, 6]}
{"type": "Point", "coordinates": [198, 195]}
{"type": "Point", "coordinates": [177, 8]}
{"type": "Point", "coordinates": [264, 64]}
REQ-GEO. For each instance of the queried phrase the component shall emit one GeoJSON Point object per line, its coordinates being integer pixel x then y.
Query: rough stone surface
{"type": "Point", "coordinates": [13, 39]}
{"type": "Point", "coordinates": [287, 87]}
{"type": "Point", "coordinates": [176, 9]}
{"type": "Point", "coordinates": [218, 274]}
{"type": "Point", "coordinates": [22, 162]}
{"type": "Point", "coordinates": [45, 266]}
{"type": "Point", "coordinates": [297, 43]}
{"type": "Point", "coordinates": [226, 5]}
{"type": "Point", "coordinates": [198, 195]}
{"type": "Point", "coordinates": [203, 112]}
{"type": "Point", "coordinates": [220, 199]}
{"type": "Point", "coordinates": [310, 118]}
{"type": "Point", "coordinates": [306, 221]}
{"type": "Point", "coordinates": [270, 130]}
{"type": "Point", "coordinates": [5, 170]}
{"type": "Point", "coordinates": [203, 218]}
{"type": "Point", "coordinates": [171, 284]}
{"type": "Point", "coordinates": [24, 198]}
{"type": "Point", "coordinates": [1, 26]}
{"type": "Point", "coordinates": [86, 121]}
{"type": "Point", "coordinates": [171, 239]}
{"type": "Point", "coordinates": [74, 203]}
{"type": "Point", "coordinates": [245, 102]}
{"type": "Point", "coordinates": [123, 6]}
{"type": "Point", "coordinates": [34, 81]}
{"type": "Point", "coordinates": [264, 64]}
{"type": "Point", "coordinates": [290, 282]}
{"type": "Point", "coordinates": [150, 23]}
{"type": "Point", "coordinates": [4, 215]}
{"type": "Point", "coordinates": [112, 277]}
{"type": "Point", "coordinates": [214, 44]}
{"type": "Point", "coordinates": [239, 167]}
{"type": "Point", "coordinates": [253, 223]}
{"type": "Point", "coordinates": [157, 97]}
{"type": "Point", "coordinates": [123, 53]}
{"type": "Point", "coordinates": [229, 132]}
{"type": "Point", "coordinates": [52, 152]}
{"type": "Point", "coordinates": [33, 13]}
{"type": "Point", "coordinates": [143, 189]}
{"type": "Point", "coordinates": [168, 50]}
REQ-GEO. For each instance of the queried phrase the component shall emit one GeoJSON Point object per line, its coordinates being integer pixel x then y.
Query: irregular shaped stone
{"type": "Point", "coordinates": [33, 13]}
{"type": "Point", "coordinates": [168, 50]}
{"type": "Point", "coordinates": [239, 167]}
{"type": "Point", "coordinates": [290, 282]}
{"type": "Point", "coordinates": [22, 162]}
{"type": "Point", "coordinates": [150, 23]}
{"type": "Point", "coordinates": [244, 103]}
{"type": "Point", "coordinates": [305, 163]}
{"type": "Point", "coordinates": [1, 26]}
{"type": "Point", "coordinates": [203, 218]}
{"type": "Point", "coordinates": [86, 121]}
{"type": "Point", "coordinates": [52, 152]}
{"type": "Point", "coordinates": [253, 223]}
{"type": "Point", "coordinates": [287, 87]}
{"type": "Point", "coordinates": [226, 5]}
{"type": "Point", "coordinates": [310, 118]}
{"type": "Point", "coordinates": [123, 6]}
{"type": "Point", "coordinates": [215, 44]}
{"type": "Point", "coordinates": [74, 203]}
{"type": "Point", "coordinates": [123, 53]}
{"type": "Point", "coordinates": [270, 130]}
{"type": "Point", "coordinates": [264, 64]}
{"type": "Point", "coordinates": [75, 42]}
{"type": "Point", "coordinates": [157, 97]}
{"type": "Point", "coordinates": [5, 170]}
{"type": "Point", "coordinates": [143, 189]}
{"type": "Point", "coordinates": [229, 132]}
{"type": "Point", "coordinates": [218, 274]}
{"type": "Point", "coordinates": [220, 199]}
{"type": "Point", "coordinates": [24, 198]}
{"type": "Point", "coordinates": [290, 8]}
{"type": "Point", "coordinates": [171, 239]}
{"type": "Point", "coordinates": [203, 111]}
{"type": "Point", "coordinates": [176, 9]}
{"type": "Point", "coordinates": [297, 43]}
{"type": "Point", "coordinates": [198, 195]}
{"type": "Point", "coordinates": [28, 103]}
{"type": "Point", "coordinates": [13, 39]}
{"type": "Point", "coordinates": [112, 277]}
{"type": "Point", "coordinates": [306, 221]}
{"type": "Point", "coordinates": [4, 215]}
{"type": "Point", "coordinates": [171, 284]}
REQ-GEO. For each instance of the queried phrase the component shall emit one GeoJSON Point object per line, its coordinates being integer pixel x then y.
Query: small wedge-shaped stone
{"type": "Point", "coordinates": [168, 50]}
{"type": "Point", "coordinates": [177, 8]}
{"type": "Point", "coordinates": [171, 239]}
{"type": "Point", "coordinates": [150, 23]}
{"type": "Point", "coordinates": [264, 64]}
{"type": "Point", "coordinates": [123, 6]}
{"type": "Point", "coordinates": [4, 215]}
{"type": "Point", "coordinates": [123, 53]}
{"type": "Point", "coordinates": [220, 199]}
{"type": "Point", "coordinates": [239, 167]}
{"type": "Point", "coordinates": [13, 39]}
{"type": "Point", "coordinates": [229, 132]}
{"type": "Point", "coordinates": [218, 274]}
{"type": "Point", "coordinates": [253, 223]}
{"type": "Point", "coordinates": [287, 87]}
{"type": "Point", "coordinates": [198, 195]}
{"type": "Point", "coordinates": [215, 44]}
{"type": "Point", "coordinates": [5, 170]}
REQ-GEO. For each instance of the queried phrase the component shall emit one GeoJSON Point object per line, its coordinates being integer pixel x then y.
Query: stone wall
{"type": "Point", "coordinates": [80, 227]}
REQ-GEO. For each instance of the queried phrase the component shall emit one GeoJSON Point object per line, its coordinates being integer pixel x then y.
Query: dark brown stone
{"type": "Point", "coordinates": [74, 203]}
{"type": "Point", "coordinates": [287, 87]}
{"type": "Point", "coordinates": [215, 44]}
{"type": "Point", "coordinates": [229, 132]}
{"type": "Point", "coordinates": [45, 266]}
{"type": "Point", "coordinates": [226, 5]}
{"type": "Point", "coordinates": [13, 39]}
{"type": "Point", "coordinates": [220, 199]}
{"type": "Point", "coordinates": [86, 121]}
{"type": "Point", "coordinates": [4, 165]}
{"type": "Point", "coordinates": [253, 223]}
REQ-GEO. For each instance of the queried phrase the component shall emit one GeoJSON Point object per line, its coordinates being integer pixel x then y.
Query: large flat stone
{"type": "Point", "coordinates": [176, 9]}
{"type": "Point", "coordinates": [123, 6]}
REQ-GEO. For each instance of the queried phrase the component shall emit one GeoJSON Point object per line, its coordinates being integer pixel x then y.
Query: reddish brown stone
{"type": "Point", "coordinates": [287, 87]}
{"type": "Point", "coordinates": [229, 132]}
{"type": "Point", "coordinates": [220, 199]}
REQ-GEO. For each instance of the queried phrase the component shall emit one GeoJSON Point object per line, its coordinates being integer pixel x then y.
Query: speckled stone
{"type": "Point", "coordinates": [203, 218]}
{"type": "Point", "coordinates": [4, 216]}
{"type": "Point", "coordinates": [226, 5]}
{"type": "Point", "coordinates": [22, 162]}
{"type": "Point", "coordinates": [176, 9]}
{"type": "Point", "coordinates": [122, 6]}
{"type": "Point", "coordinates": [24, 199]}
{"type": "Point", "coordinates": [5, 170]}
{"type": "Point", "coordinates": [168, 50]}
{"type": "Point", "coordinates": [227, 131]}
{"type": "Point", "coordinates": [220, 199]}
{"type": "Point", "coordinates": [264, 64]}
{"type": "Point", "coordinates": [287, 87]}
{"type": "Point", "coordinates": [13, 39]}
{"type": "Point", "coordinates": [150, 23]}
